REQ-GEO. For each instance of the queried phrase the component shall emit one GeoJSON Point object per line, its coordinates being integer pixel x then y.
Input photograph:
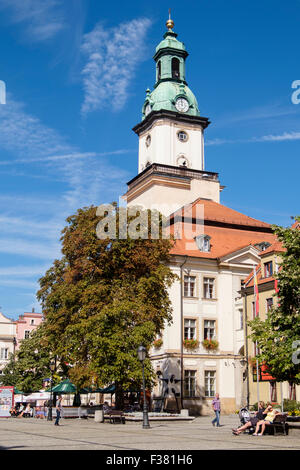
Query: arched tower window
{"type": "Point", "coordinates": [158, 71]}
{"type": "Point", "coordinates": [175, 68]}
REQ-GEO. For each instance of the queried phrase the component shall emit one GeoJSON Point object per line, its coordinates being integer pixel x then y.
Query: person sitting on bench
{"type": "Point", "coordinates": [271, 413]}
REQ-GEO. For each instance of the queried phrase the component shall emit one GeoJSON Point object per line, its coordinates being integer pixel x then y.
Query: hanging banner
{"type": "Point", "coordinates": [6, 401]}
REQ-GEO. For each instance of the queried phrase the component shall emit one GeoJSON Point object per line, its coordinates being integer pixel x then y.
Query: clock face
{"type": "Point", "coordinates": [147, 109]}
{"type": "Point", "coordinates": [182, 105]}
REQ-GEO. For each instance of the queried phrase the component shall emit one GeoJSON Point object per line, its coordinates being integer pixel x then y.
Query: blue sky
{"type": "Point", "coordinates": [76, 74]}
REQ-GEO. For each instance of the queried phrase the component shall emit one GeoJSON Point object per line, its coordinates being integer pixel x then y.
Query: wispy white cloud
{"type": "Point", "coordinates": [29, 248]}
{"type": "Point", "coordinates": [112, 57]}
{"type": "Point", "coordinates": [279, 138]}
{"type": "Point", "coordinates": [24, 135]}
{"type": "Point", "coordinates": [286, 136]}
{"type": "Point", "coordinates": [23, 271]}
{"type": "Point", "coordinates": [42, 19]}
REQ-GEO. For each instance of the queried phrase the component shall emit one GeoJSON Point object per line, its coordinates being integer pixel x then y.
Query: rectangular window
{"type": "Point", "coordinates": [292, 392]}
{"type": "Point", "coordinates": [269, 304]}
{"type": "Point", "coordinates": [190, 383]}
{"type": "Point", "coordinates": [268, 269]}
{"type": "Point", "coordinates": [210, 383]}
{"type": "Point", "coordinates": [209, 329]}
{"type": "Point", "coordinates": [4, 353]}
{"type": "Point", "coordinates": [26, 334]}
{"type": "Point", "coordinates": [189, 286]}
{"type": "Point", "coordinates": [209, 288]}
{"type": "Point", "coordinates": [189, 329]}
{"type": "Point", "coordinates": [273, 392]}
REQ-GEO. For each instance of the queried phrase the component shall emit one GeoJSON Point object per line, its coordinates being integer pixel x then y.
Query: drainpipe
{"type": "Point", "coordinates": [246, 343]}
{"type": "Point", "coordinates": [181, 332]}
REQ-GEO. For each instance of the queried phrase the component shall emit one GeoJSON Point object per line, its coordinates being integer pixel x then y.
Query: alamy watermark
{"type": "Point", "coordinates": [296, 95]}
{"type": "Point", "coordinates": [2, 92]}
{"type": "Point", "coordinates": [135, 222]}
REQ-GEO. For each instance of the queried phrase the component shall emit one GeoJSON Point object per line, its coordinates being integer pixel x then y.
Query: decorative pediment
{"type": "Point", "coordinates": [247, 256]}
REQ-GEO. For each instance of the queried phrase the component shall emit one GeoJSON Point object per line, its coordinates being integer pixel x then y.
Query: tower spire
{"type": "Point", "coordinates": [170, 22]}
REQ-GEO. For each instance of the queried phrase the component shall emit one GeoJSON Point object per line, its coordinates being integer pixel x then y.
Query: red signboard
{"type": "Point", "coordinates": [6, 401]}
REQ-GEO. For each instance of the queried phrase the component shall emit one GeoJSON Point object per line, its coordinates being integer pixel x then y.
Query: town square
{"type": "Point", "coordinates": [150, 229]}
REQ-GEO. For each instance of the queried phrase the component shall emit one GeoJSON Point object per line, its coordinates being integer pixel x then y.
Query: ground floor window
{"type": "Point", "coordinates": [189, 383]}
{"type": "Point", "coordinates": [273, 392]}
{"type": "Point", "coordinates": [210, 383]}
{"type": "Point", "coordinates": [292, 391]}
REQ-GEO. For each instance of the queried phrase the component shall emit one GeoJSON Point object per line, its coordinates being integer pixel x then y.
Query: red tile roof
{"type": "Point", "coordinates": [229, 230]}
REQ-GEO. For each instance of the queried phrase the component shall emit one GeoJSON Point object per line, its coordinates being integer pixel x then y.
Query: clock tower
{"type": "Point", "coordinates": [171, 137]}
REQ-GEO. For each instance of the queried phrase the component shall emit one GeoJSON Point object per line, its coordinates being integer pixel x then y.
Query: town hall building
{"type": "Point", "coordinates": [202, 352]}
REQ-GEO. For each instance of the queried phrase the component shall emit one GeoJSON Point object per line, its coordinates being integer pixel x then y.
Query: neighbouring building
{"type": "Point", "coordinates": [266, 389]}
{"type": "Point", "coordinates": [12, 332]}
{"type": "Point", "coordinates": [202, 351]}
{"type": "Point", "coordinates": [7, 340]}
{"type": "Point", "coordinates": [25, 324]}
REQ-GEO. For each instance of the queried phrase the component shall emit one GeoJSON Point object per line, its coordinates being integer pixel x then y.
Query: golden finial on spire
{"type": "Point", "coordinates": [170, 22]}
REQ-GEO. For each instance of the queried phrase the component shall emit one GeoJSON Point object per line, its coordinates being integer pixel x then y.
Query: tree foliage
{"type": "Point", "coordinates": [104, 298]}
{"type": "Point", "coordinates": [277, 335]}
{"type": "Point", "coordinates": [30, 365]}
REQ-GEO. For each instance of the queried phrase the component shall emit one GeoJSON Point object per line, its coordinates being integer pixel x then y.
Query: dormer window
{"type": "Point", "coordinates": [175, 68]}
{"type": "Point", "coordinates": [203, 243]}
{"type": "Point", "coordinates": [262, 246]}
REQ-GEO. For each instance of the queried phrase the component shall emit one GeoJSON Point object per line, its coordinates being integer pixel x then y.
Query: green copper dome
{"type": "Point", "coordinates": [166, 94]}
{"type": "Point", "coordinates": [170, 92]}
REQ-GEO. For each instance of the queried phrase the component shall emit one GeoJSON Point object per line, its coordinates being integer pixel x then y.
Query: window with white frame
{"type": "Point", "coordinates": [26, 334]}
{"type": "Point", "coordinates": [189, 286]}
{"type": "Point", "coordinates": [209, 287]}
{"type": "Point", "coordinates": [190, 383]}
{"type": "Point", "coordinates": [4, 353]}
{"type": "Point", "coordinates": [32, 322]}
{"type": "Point", "coordinates": [203, 243]}
{"type": "Point", "coordinates": [210, 383]}
{"type": "Point", "coordinates": [189, 328]}
{"type": "Point", "coordinates": [209, 329]}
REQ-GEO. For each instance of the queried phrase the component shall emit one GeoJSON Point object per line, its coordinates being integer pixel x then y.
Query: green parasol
{"type": "Point", "coordinates": [64, 387]}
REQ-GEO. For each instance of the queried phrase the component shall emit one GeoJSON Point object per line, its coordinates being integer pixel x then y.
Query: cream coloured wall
{"type": "Point", "coordinates": [166, 148]}
{"type": "Point", "coordinates": [168, 199]}
{"type": "Point", "coordinates": [226, 360]}
{"type": "Point", "coordinates": [7, 333]}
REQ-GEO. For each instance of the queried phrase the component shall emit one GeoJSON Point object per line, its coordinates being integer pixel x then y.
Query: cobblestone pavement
{"type": "Point", "coordinates": [75, 434]}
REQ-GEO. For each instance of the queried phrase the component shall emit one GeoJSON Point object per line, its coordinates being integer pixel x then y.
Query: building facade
{"type": "Point", "coordinates": [202, 351]}
{"type": "Point", "coordinates": [7, 340]}
{"type": "Point", "coordinates": [265, 388]}
{"type": "Point", "coordinates": [12, 332]}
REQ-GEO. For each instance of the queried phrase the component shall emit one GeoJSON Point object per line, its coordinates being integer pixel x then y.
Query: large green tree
{"type": "Point", "coordinates": [279, 334]}
{"type": "Point", "coordinates": [106, 296]}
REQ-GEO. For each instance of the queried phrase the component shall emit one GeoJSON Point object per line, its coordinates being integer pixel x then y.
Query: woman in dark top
{"type": "Point", "coordinates": [259, 415]}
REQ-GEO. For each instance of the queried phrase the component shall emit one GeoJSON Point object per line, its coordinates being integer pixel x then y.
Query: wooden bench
{"type": "Point", "coordinates": [278, 423]}
{"type": "Point", "coordinates": [115, 416]}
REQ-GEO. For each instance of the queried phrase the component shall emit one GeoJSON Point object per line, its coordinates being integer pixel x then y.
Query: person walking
{"type": "Point", "coordinates": [58, 410]}
{"type": "Point", "coordinates": [216, 406]}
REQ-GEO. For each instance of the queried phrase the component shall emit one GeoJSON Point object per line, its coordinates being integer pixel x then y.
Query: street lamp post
{"type": "Point", "coordinates": [52, 368]}
{"type": "Point", "coordinates": [142, 357]}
